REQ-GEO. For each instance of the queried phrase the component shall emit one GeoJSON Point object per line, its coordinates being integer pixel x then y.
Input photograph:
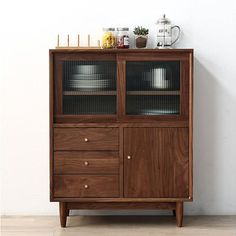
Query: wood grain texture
{"type": "Point", "coordinates": [179, 213]}
{"type": "Point", "coordinates": [51, 109]}
{"type": "Point", "coordinates": [74, 139]}
{"type": "Point", "coordinates": [114, 51]}
{"type": "Point", "coordinates": [159, 174]}
{"type": "Point", "coordinates": [86, 162]}
{"type": "Point", "coordinates": [63, 213]}
{"type": "Point", "coordinates": [119, 199]}
{"type": "Point", "coordinates": [86, 186]}
{"type": "Point", "coordinates": [121, 205]}
{"type": "Point", "coordinates": [159, 162]}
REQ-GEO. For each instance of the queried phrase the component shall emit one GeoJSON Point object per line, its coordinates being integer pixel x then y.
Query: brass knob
{"type": "Point", "coordinates": [85, 139]}
{"type": "Point", "coordinates": [128, 157]}
{"type": "Point", "coordinates": [86, 186]}
{"type": "Point", "coordinates": [86, 163]}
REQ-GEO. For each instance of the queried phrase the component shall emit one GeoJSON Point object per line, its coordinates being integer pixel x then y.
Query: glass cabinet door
{"type": "Point", "coordinates": [89, 88]}
{"type": "Point", "coordinates": [153, 88]}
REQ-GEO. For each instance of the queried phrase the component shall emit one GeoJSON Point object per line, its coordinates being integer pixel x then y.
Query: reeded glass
{"type": "Point", "coordinates": [153, 88]}
{"type": "Point", "coordinates": [89, 87]}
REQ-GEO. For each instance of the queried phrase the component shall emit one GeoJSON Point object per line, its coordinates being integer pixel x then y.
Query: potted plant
{"type": "Point", "coordinates": [141, 36]}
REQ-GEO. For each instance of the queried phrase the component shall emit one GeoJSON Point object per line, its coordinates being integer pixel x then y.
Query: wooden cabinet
{"type": "Point", "coordinates": [121, 129]}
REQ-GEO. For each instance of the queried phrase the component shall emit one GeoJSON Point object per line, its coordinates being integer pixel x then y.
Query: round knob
{"type": "Point", "coordinates": [85, 139]}
{"type": "Point", "coordinates": [86, 186]}
{"type": "Point", "coordinates": [86, 163]}
{"type": "Point", "coordinates": [128, 157]}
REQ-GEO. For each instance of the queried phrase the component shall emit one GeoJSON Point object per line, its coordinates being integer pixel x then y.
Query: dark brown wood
{"type": "Point", "coordinates": [86, 139]}
{"type": "Point", "coordinates": [86, 186]}
{"type": "Point", "coordinates": [121, 167]}
{"type": "Point", "coordinates": [51, 108]}
{"type": "Point", "coordinates": [63, 213]}
{"type": "Point", "coordinates": [119, 199]}
{"type": "Point", "coordinates": [85, 118]}
{"type": "Point", "coordinates": [121, 51]}
{"type": "Point", "coordinates": [159, 173]}
{"type": "Point", "coordinates": [190, 126]}
{"type": "Point", "coordinates": [165, 124]}
{"type": "Point", "coordinates": [86, 162]}
{"type": "Point", "coordinates": [158, 164]}
{"type": "Point", "coordinates": [179, 213]}
{"type": "Point", "coordinates": [121, 205]}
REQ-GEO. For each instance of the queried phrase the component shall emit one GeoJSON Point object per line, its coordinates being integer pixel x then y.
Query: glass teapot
{"type": "Point", "coordinates": [164, 33]}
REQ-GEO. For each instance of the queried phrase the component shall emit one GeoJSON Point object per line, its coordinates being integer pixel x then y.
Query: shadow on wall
{"type": "Point", "coordinates": [209, 96]}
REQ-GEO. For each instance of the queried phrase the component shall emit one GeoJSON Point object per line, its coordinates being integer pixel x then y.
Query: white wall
{"type": "Point", "coordinates": [29, 28]}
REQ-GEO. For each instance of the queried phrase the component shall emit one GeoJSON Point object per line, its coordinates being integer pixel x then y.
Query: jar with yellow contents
{"type": "Point", "coordinates": [108, 38]}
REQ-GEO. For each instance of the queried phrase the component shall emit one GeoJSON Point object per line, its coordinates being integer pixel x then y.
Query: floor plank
{"type": "Point", "coordinates": [118, 225]}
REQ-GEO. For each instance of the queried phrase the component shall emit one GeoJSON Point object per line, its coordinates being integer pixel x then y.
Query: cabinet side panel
{"type": "Point", "coordinates": [51, 119]}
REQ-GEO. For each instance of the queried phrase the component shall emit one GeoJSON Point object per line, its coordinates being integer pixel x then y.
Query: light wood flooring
{"type": "Point", "coordinates": [118, 225]}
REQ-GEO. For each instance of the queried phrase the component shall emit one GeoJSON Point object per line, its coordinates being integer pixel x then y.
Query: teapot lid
{"type": "Point", "coordinates": [163, 20]}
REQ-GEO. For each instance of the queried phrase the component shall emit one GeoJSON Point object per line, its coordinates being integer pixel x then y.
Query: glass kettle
{"type": "Point", "coordinates": [165, 33]}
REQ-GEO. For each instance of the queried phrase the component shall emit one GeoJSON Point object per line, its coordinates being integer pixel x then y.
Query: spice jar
{"type": "Point", "coordinates": [108, 38]}
{"type": "Point", "coordinates": [122, 37]}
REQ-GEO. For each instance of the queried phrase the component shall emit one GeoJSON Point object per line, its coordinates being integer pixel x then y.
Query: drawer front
{"type": "Point", "coordinates": [86, 186]}
{"type": "Point", "coordinates": [86, 139]}
{"type": "Point", "coordinates": [86, 162]}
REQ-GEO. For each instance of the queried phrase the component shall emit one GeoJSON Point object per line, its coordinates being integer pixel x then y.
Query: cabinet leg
{"type": "Point", "coordinates": [179, 213]}
{"type": "Point", "coordinates": [63, 213]}
{"type": "Point", "coordinates": [174, 213]}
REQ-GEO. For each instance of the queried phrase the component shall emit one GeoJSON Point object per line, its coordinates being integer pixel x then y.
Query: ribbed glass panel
{"type": "Point", "coordinates": [152, 105]}
{"type": "Point", "coordinates": [89, 105]}
{"type": "Point", "coordinates": [89, 87]}
{"type": "Point", "coordinates": [153, 88]}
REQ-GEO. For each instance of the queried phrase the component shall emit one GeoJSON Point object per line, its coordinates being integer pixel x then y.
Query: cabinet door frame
{"type": "Point", "coordinates": [185, 60]}
{"type": "Point", "coordinates": [157, 160]}
{"type": "Point", "coordinates": [59, 58]}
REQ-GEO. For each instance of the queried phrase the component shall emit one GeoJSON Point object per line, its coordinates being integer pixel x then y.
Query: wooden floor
{"type": "Point", "coordinates": [119, 225]}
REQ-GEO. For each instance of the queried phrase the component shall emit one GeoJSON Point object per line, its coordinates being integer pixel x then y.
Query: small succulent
{"type": "Point", "coordinates": [139, 30]}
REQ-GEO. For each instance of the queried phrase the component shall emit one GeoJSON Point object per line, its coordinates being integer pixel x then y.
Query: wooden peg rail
{"type": "Point", "coordinates": [78, 43]}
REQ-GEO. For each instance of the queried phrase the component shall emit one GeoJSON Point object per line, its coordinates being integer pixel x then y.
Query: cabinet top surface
{"type": "Point", "coordinates": [73, 50]}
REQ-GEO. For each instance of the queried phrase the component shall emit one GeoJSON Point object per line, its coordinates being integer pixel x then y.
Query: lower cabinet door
{"type": "Point", "coordinates": [156, 163]}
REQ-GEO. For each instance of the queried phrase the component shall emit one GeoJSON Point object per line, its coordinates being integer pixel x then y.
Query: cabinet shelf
{"type": "Point", "coordinates": [153, 93]}
{"type": "Point", "coordinates": [78, 93]}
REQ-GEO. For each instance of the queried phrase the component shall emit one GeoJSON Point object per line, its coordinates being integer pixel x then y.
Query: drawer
{"type": "Point", "coordinates": [82, 162]}
{"type": "Point", "coordinates": [86, 139]}
{"type": "Point", "coordinates": [86, 186]}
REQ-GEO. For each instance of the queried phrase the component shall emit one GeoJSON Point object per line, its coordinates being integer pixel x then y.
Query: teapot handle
{"type": "Point", "coordinates": [176, 26]}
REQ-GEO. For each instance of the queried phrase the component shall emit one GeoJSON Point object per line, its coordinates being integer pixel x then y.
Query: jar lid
{"type": "Point", "coordinates": [163, 20]}
{"type": "Point", "coordinates": [123, 29]}
{"type": "Point", "coordinates": [108, 29]}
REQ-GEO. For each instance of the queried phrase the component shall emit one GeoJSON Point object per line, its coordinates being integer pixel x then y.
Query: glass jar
{"type": "Point", "coordinates": [122, 37]}
{"type": "Point", "coordinates": [108, 38]}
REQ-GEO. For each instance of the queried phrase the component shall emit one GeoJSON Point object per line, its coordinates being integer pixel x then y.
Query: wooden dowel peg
{"type": "Point", "coordinates": [88, 40]}
{"type": "Point", "coordinates": [58, 40]}
{"type": "Point", "coordinates": [68, 40]}
{"type": "Point", "coordinates": [78, 40]}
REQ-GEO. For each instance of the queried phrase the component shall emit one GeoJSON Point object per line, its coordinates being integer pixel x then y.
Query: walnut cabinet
{"type": "Point", "coordinates": [121, 129]}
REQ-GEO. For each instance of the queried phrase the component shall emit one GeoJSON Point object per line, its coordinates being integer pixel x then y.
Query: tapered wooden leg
{"type": "Point", "coordinates": [63, 213]}
{"type": "Point", "coordinates": [174, 213]}
{"type": "Point", "coordinates": [179, 213]}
